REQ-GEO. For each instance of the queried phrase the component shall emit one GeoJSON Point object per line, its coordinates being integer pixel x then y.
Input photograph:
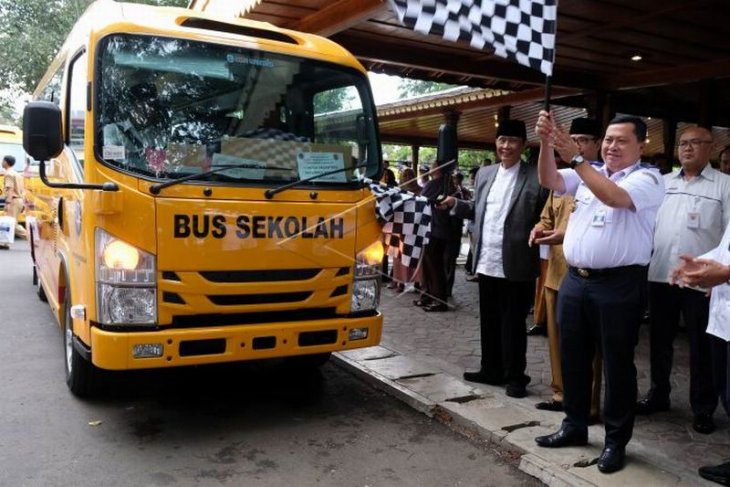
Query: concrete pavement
{"type": "Point", "coordinates": [423, 355]}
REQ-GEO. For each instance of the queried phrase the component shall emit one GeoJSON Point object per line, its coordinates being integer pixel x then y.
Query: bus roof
{"type": "Point", "coordinates": [11, 134]}
{"type": "Point", "coordinates": [105, 17]}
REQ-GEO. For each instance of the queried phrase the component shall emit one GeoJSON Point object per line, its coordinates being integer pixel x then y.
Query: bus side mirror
{"type": "Point", "coordinates": [42, 131]}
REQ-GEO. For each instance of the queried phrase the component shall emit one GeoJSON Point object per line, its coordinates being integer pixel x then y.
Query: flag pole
{"type": "Point", "coordinates": [548, 89]}
{"type": "Point", "coordinates": [552, 29]}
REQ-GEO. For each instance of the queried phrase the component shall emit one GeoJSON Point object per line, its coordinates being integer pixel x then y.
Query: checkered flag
{"type": "Point", "coordinates": [520, 30]}
{"type": "Point", "coordinates": [406, 220]}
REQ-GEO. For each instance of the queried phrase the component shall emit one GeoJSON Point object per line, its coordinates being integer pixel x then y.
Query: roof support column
{"type": "Point", "coordinates": [600, 107]}
{"type": "Point", "coordinates": [414, 156]}
{"type": "Point", "coordinates": [503, 113]}
{"type": "Point", "coordinates": [707, 98]}
{"type": "Point", "coordinates": [670, 138]}
{"type": "Point", "coordinates": [448, 140]}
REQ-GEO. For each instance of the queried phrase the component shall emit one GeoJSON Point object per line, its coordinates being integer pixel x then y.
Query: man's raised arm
{"type": "Point", "coordinates": [547, 169]}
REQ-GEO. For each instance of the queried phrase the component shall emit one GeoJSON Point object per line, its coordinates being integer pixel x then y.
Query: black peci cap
{"type": "Point", "coordinates": [585, 126]}
{"type": "Point", "coordinates": [512, 128]}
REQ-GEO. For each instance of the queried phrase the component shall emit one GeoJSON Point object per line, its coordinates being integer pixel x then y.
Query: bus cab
{"type": "Point", "coordinates": [204, 201]}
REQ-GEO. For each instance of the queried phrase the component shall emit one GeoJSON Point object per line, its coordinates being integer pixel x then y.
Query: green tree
{"type": "Point", "coordinates": [408, 88]}
{"type": "Point", "coordinates": [33, 31]}
{"type": "Point", "coordinates": [7, 113]}
{"type": "Point", "coordinates": [333, 100]}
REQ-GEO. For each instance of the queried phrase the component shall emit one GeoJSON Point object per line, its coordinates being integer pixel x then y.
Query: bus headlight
{"type": "Point", "coordinates": [366, 286]}
{"type": "Point", "coordinates": [126, 289]}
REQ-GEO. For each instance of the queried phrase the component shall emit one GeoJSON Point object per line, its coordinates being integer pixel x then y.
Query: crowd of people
{"type": "Point", "coordinates": [619, 237]}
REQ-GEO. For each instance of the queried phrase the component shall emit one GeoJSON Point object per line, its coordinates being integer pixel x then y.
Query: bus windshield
{"type": "Point", "coordinates": [169, 108]}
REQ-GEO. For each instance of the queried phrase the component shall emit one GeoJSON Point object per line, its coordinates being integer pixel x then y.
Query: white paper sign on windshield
{"type": "Point", "coordinates": [256, 171]}
{"type": "Point", "coordinates": [312, 164]}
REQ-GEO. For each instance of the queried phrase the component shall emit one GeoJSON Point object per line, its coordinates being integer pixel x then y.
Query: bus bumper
{"type": "Point", "coordinates": [210, 345]}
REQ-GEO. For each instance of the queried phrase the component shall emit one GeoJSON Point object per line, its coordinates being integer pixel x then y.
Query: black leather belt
{"type": "Point", "coordinates": [610, 271]}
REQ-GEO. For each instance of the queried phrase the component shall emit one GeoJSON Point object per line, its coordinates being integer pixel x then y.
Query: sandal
{"type": "Point", "coordinates": [422, 302]}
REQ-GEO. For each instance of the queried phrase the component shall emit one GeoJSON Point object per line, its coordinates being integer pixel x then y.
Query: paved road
{"type": "Point", "coordinates": [253, 425]}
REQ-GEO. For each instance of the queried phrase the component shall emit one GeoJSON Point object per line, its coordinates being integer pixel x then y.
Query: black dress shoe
{"type": "Point", "coordinates": [716, 473]}
{"type": "Point", "coordinates": [563, 437]}
{"type": "Point", "coordinates": [551, 405]}
{"type": "Point", "coordinates": [537, 330]}
{"type": "Point", "coordinates": [703, 424]}
{"type": "Point", "coordinates": [515, 390]}
{"type": "Point", "coordinates": [650, 405]}
{"type": "Point", "coordinates": [611, 459]}
{"type": "Point", "coordinates": [484, 378]}
{"type": "Point", "coordinates": [436, 307]}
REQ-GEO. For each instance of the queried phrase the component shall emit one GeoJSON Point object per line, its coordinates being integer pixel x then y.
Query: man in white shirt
{"type": "Point", "coordinates": [506, 205]}
{"type": "Point", "coordinates": [712, 270]}
{"type": "Point", "coordinates": [691, 220]}
{"type": "Point", "coordinates": [607, 246]}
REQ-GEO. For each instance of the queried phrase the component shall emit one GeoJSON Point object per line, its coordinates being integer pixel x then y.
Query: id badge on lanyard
{"type": "Point", "coordinates": [693, 216]}
{"type": "Point", "coordinates": [599, 218]}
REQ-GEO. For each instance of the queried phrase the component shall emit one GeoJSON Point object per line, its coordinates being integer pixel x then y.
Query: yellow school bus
{"type": "Point", "coordinates": [204, 198]}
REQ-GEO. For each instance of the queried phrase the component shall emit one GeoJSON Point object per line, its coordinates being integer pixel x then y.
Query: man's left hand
{"type": "Point", "coordinates": [551, 237]}
{"type": "Point", "coordinates": [707, 273]}
{"type": "Point", "coordinates": [565, 146]}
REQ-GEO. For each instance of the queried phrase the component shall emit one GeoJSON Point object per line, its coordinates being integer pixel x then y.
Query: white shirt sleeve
{"type": "Point", "coordinates": [725, 202]}
{"type": "Point", "coordinates": [571, 180]}
{"type": "Point", "coordinates": [645, 188]}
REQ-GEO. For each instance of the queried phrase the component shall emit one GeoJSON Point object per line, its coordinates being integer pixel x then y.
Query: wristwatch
{"type": "Point", "coordinates": [577, 160]}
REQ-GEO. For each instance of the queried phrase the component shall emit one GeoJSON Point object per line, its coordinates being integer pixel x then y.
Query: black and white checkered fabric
{"type": "Point", "coordinates": [406, 220]}
{"type": "Point", "coordinates": [274, 134]}
{"type": "Point", "coordinates": [521, 30]}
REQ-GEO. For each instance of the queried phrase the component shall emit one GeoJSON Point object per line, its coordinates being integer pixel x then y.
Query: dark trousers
{"type": "Point", "coordinates": [434, 273]}
{"type": "Point", "coordinates": [666, 303]}
{"type": "Point", "coordinates": [601, 312]}
{"type": "Point", "coordinates": [453, 248]}
{"type": "Point", "coordinates": [721, 370]}
{"type": "Point", "coordinates": [503, 308]}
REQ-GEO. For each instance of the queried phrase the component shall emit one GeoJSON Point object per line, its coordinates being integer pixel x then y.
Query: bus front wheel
{"type": "Point", "coordinates": [82, 376]}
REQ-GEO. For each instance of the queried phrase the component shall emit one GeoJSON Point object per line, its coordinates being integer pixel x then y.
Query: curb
{"type": "Point", "coordinates": [529, 463]}
{"type": "Point", "coordinates": [484, 413]}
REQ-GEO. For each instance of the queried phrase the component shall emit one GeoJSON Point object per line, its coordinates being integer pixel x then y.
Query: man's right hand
{"type": "Point", "coordinates": [688, 264]}
{"type": "Point", "coordinates": [544, 127]}
{"type": "Point", "coordinates": [535, 233]}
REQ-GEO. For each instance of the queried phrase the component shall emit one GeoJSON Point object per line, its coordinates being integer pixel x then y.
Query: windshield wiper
{"type": "Point", "coordinates": [156, 188]}
{"type": "Point", "coordinates": [270, 193]}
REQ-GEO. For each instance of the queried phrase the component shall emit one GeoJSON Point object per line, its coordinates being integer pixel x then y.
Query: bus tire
{"type": "Point", "coordinates": [31, 239]}
{"type": "Point", "coordinates": [82, 376]}
{"type": "Point", "coordinates": [39, 286]}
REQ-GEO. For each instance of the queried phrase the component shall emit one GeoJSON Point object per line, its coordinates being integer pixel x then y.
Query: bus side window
{"type": "Point", "coordinates": [77, 106]}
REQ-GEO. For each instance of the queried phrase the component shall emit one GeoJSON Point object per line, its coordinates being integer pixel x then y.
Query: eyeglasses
{"type": "Point", "coordinates": [582, 139]}
{"type": "Point", "coordinates": [695, 143]}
